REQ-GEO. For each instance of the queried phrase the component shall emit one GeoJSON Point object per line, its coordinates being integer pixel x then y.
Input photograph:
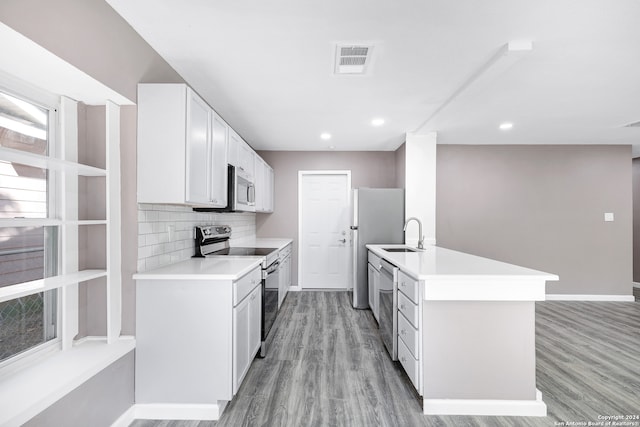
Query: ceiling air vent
{"type": "Point", "coordinates": [633, 125]}
{"type": "Point", "coordinates": [352, 58]}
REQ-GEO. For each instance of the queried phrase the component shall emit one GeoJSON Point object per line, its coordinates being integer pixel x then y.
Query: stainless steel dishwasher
{"type": "Point", "coordinates": [388, 310]}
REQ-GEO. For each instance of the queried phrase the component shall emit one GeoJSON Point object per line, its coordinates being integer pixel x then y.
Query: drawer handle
{"type": "Point", "coordinates": [403, 332]}
{"type": "Point", "coordinates": [404, 359]}
{"type": "Point", "coordinates": [403, 284]}
{"type": "Point", "coordinates": [402, 307]}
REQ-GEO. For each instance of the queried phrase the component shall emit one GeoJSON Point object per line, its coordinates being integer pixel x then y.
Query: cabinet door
{"type": "Point", "coordinates": [218, 169]}
{"type": "Point", "coordinates": [246, 159]}
{"type": "Point", "coordinates": [270, 192]}
{"type": "Point", "coordinates": [255, 322]}
{"type": "Point", "coordinates": [260, 184]}
{"type": "Point", "coordinates": [241, 349]}
{"type": "Point", "coordinates": [370, 281]}
{"type": "Point", "coordinates": [376, 294]}
{"type": "Point", "coordinates": [198, 146]}
{"type": "Point", "coordinates": [233, 148]}
{"type": "Point", "coordinates": [285, 279]}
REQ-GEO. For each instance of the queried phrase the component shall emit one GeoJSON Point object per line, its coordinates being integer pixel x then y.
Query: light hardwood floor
{"type": "Point", "coordinates": [326, 366]}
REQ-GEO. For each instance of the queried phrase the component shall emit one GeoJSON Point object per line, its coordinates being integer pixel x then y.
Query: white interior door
{"type": "Point", "coordinates": [324, 206]}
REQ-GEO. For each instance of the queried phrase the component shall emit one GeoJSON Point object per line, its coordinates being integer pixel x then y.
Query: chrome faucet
{"type": "Point", "coordinates": [420, 236]}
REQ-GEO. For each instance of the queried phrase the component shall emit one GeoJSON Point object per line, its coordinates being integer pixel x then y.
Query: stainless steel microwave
{"type": "Point", "coordinates": [241, 193]}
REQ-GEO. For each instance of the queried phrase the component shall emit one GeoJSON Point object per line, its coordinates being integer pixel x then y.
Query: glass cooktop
{"type": "Point", "coordinates": [244, 251]}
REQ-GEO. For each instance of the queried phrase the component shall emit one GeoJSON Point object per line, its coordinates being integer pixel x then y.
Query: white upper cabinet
{"type": "Point", "coordinates": [241, 155]}
{"type": "Point", "coordinates": [198, 140]}
{"type": "Point", "coordinates": [182, 148]}
{"type": "Point", "coordinates": [269, 203]}
{"type": "Point", "coordinates": [246, 159]}
{"type": "Point", "coordinates": [219, 160]}
{"type": "Point", "coordinates": [261, 187]}
{"type": "Point", "coordinates": [264, 185]}
{"type": "Point", "coordinates": [233, 147]}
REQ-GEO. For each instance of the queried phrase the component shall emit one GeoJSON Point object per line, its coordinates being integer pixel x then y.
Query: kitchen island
{"type": "Point", "coordinates": [466, 331]}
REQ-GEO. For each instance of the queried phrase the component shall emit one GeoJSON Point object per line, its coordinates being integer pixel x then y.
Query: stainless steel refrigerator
{"type": "Point", "coordinates": [377, 218]}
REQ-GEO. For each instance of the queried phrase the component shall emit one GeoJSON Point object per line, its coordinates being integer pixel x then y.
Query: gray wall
{"type": "Point", "coordinates": [401, 165]}
{"type": "Point", "coordinates": [368, 169]}
{"type": "Point", "coordinates": [636, 219]}
{"type": "Point", "coordinates": [541, 207]}
{"type": "Point", "coordinates": [92, 37]}
{"type": "Point", "coordinates": [96, 403]}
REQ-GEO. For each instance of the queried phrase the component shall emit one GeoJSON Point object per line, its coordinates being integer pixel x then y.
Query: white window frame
{"type": "Point", "coordinates": [54, 191]}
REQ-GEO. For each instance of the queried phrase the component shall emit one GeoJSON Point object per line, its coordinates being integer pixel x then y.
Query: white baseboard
{"type": "Point", "coordinates": [126, 419]}
{"type": "Point", "coordinates": [295, 288]}
{"type": "Point", "coordinates": [572, 297]}
{"type": "Point", "coordinates": [518, 408]}
{"type": "Point", "coordinates": [170, 411]}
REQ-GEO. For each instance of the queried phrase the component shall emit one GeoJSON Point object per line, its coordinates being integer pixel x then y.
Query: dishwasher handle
{"type": "Point", "coordinates": [387, 268]}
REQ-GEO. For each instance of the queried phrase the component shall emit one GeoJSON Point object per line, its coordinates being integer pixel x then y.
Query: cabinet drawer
{"type": "Point", "coordinates": [410, 365]}
{"type": "Point", "coordinates": [409, 286]}
{"type": "Point", "coordinates": [409, 309]}
{"type": "Point", "coordinates": [285, 252]}
{"type": "Point", "coordinates": [243, 286]}
{"type": "Point", "coordinates": [374, 260]}
{"type": "Point", "coordinates": [408, 334]}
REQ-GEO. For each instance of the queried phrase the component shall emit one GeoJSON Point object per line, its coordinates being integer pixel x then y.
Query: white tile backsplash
{"type": "Point", "coordinates": [158, 247]}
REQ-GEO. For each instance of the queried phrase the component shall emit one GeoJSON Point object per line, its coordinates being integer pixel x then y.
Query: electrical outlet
{"type": "Point", "coordinates": [608, 216]}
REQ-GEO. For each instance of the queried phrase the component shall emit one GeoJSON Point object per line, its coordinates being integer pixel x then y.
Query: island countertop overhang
{"type": "Point", "coordinates": [452, 275]}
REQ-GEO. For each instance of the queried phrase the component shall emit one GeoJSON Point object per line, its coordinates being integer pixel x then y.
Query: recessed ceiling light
{"type": "Point", "coordinates": [325, 136]}
{"type": "Point", "coordinates": [377, 122]}
{"type": "Point", "coordinates": [505, 126]}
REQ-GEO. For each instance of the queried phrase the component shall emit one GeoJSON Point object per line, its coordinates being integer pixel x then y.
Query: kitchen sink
{"type": "Point", "coordinates": [402, 250]}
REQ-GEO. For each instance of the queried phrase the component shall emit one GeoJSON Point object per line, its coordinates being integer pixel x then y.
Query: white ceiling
{"type": "Point", "coordinates": [267, 68]}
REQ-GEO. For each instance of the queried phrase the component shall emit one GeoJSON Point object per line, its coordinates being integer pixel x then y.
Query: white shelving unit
{"type": "Point", "coordinates": [68, 170]}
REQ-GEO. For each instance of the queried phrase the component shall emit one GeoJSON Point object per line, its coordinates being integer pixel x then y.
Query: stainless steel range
{"type": "Point", "coordinates": [213, 241]}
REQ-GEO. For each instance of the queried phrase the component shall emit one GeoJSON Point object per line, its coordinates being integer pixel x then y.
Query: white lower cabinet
{"type": "Point", "coordinates": [195, 339]}
{"type": "Point", "coordinates": [285, 273]}
{"type": "Point", "coordinates": [373, 280]}
{"type": "Point", "coordinates": [409, 328]}
{"type": "Point", "coordinates": [246, 335]}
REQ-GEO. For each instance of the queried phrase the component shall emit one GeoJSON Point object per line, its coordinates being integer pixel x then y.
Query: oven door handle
{"type": "Point", "coordinates": [273, 268]}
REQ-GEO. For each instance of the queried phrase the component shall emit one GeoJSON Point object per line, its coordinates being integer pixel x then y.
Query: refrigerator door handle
{"type": "Point", "coordinates": [354, 227]}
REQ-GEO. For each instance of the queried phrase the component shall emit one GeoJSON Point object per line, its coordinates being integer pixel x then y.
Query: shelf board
{"type": "Point", "coordinates": [51, 163]}
{"type": "Point", "coordinates": [33, 287]}
{"type": "Point", "coordinates": [29, 222]}
{"type": "Point", "coordinates": [87, 222]}
{"type": "Point", "coordinates": [44, 222]}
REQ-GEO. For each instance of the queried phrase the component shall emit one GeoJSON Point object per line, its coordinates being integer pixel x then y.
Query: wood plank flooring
{"type": "Point", "coordinates": [326, 366]}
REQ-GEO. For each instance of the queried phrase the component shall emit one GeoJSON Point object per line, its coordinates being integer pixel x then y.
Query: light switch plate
{"type": "Point", "coordinates": [608, 216]}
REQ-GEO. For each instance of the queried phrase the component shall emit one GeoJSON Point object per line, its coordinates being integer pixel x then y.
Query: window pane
{"type": "Point", "coordinates": [21, 254]}
{"type": "Point", "coordinates": [23, 125]}
{"type": "Point", "coordinates": [23, 189]}
{"type": "Point", "coordinates": [26, 253]}
{"type": "Point", "coordinates": [27, 322]}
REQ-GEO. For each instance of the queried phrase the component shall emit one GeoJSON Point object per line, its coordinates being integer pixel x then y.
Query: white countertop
{"type": "Point", "coordinates": [231, 268]}
{"type": "Point", "coordinates": [267, 242]}
{"type": "Point", "coordinates": [452, 275]}
{"type": "Point", "coordinates": [226, 268]}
